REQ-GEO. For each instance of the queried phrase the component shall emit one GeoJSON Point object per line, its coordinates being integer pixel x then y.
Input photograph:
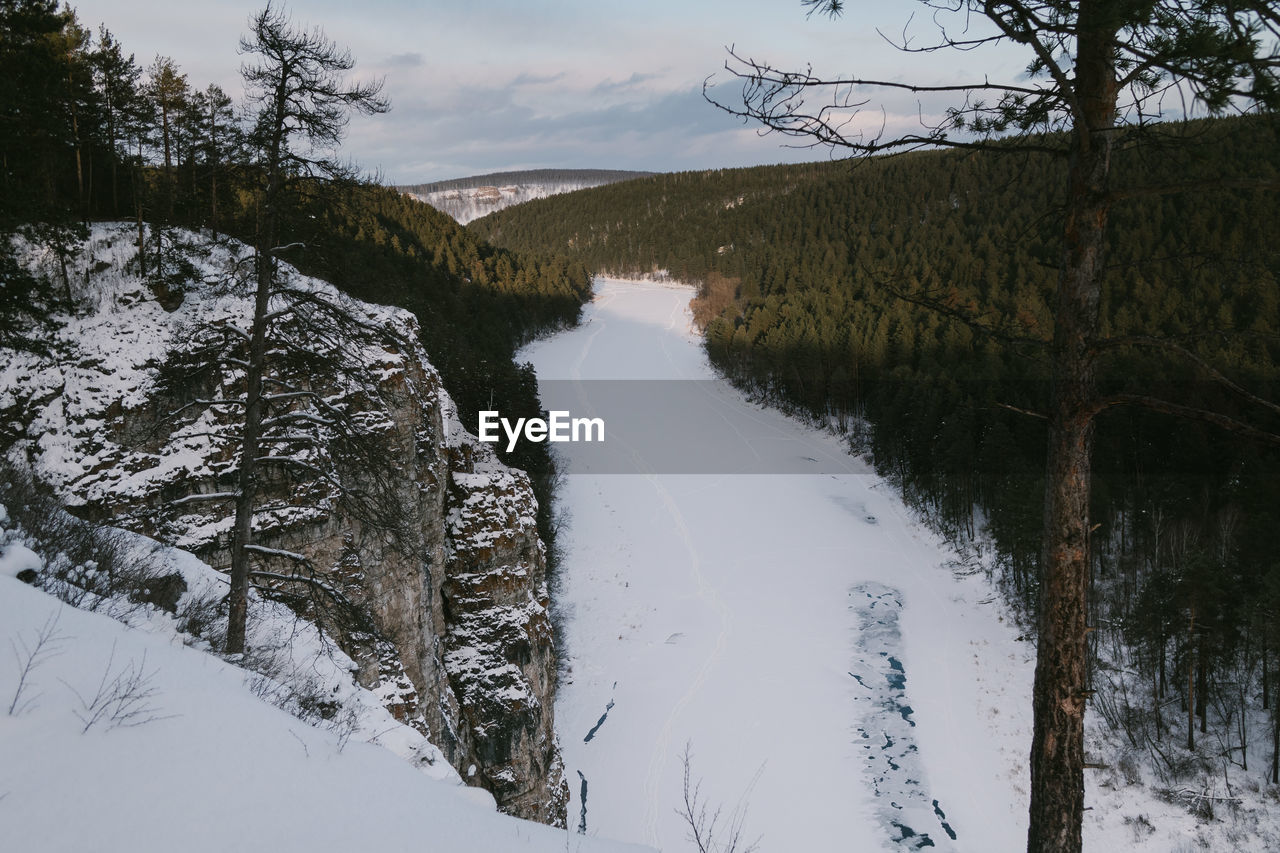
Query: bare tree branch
{"type": "Point", "coordinates": [1218, 419]}
{"type": "Point", "coordinates": [1171, 346]}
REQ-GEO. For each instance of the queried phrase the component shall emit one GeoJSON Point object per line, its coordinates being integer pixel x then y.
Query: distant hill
{"type": "Point", "coordinates": [470, 198]}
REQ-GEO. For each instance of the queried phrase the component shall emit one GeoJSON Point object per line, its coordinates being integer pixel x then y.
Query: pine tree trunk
{"type": "Point", "coordinates": [1202, 686]}
{"type": "Point", "coordinates": [1155, 701]}
{"type": "Point", "coordinates": [138, 179]}
{"type": "Point", "coordinates": [1164, 674]}
{"type": "Point", "coordinates": [1191, 681]}
{"type": "Point", "coordinates": [242, 531]}
{"type": "Point", "coordinates": [1059, 691]}
{"type": "Point", "coordinates": [265, 271]}
{"type": "Point", "coordinates": [1244, 731]}
{"type": "Point", "coordinates": [1057, 747]}
{"type": "Point", "coordinates": [75, 135]}
{"type": "Point", "coordinates": [1266, 697]}
{"type": "Point", "coordinates": [115, 159]}
{"type": "Point", "coordinates": [1275, 748]}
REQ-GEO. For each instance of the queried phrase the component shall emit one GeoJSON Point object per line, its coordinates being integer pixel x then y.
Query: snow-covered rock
{"type": "Point", "coordinates": [98, 420]}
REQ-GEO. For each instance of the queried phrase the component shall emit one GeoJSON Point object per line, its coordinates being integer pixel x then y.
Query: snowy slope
{"type": "Point", "coordinates": [206, 764]}
{"type": "Point", "coordinates": [91, 419]}
{"type": "Point", "coordinates": [832, 664]}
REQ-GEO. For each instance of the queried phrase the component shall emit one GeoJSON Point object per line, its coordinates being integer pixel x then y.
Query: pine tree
{"type": "Point", "coordinates": [117, 79]}
{"type": "Point", "coordinates": [296, 80]}
{"type": "Point", "coordinates": [1096, 68]}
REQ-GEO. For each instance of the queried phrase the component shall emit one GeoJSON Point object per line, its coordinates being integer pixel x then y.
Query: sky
{"type": "Point", "coordinates": [479, 86]}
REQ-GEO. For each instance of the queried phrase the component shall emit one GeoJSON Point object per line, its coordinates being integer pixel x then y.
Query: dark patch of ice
{"type": "Point", "coordinates": [599, 723]}
{"type": "Point", "coordinates": [894, 768]}
{"type": "Point", "coordinates": [911, 839]}
{"type": "Point", "coordinates": [942, 819]}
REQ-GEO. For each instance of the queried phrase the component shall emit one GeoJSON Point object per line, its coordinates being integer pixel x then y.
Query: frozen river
{"type": "Point", "coordinates": [796, 630]}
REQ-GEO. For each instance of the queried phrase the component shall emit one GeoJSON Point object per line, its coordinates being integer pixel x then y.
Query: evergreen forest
{"type": "Point", "coordinates": [903, 300]}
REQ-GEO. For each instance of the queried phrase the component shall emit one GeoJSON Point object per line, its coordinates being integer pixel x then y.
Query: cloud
{"type": "Point", "coordinates": [527, 79]}
{"type": "Point", "coordinates": [404, 60]}
{"type": "Point", "coordinates": [610, 86]}
{"type": "Point", "coordinates": [479, 87]}
{"type": "Point", "coordinates": [658, 131]}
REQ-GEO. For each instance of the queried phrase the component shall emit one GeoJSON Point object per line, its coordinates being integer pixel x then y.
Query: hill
{"type": "Point", "coordinates": [470, 198]}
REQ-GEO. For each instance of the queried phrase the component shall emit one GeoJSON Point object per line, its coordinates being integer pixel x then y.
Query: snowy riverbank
{"type": "Point", "coordinates": [732, 613]}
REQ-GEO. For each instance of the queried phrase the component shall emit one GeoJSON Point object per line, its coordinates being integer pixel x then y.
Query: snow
{"type": "Point", "coordinates": [721, 611]}
{"type": "Point", "coordinates": [18, 558]}
{"type": "Point", "coordinates": [835, 668]}
{"type": "Point", "coordinates": [203, 763]}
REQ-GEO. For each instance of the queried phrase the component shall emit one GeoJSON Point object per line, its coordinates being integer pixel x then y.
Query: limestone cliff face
{"type": "Point", "coordinates": [450, 620]}
{"type": "Point", "coordinates": [499, 653]}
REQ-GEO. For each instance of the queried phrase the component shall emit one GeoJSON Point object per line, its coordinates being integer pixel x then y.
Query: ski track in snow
{"type": "Point", "coordinates": [660, 756]}
{"type": "Point", "coordinates": [798, 632]}
{"type": "Point", "coordinates": [662, 749]}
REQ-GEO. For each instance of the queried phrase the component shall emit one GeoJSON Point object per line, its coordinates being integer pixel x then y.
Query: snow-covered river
{"type": "Point", "coordinates": [809, 643]}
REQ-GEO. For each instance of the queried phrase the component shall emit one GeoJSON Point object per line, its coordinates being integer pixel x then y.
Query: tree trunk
{"type": "Point", "coordinates": [1191, 681]}
{"type": "Point", "coordinates": [213, 194]}
{"type": "Point", "coordinates": [1244, 730]}
{"type": "Point", "coordinates": [138, 179]}
{"type": "Point", "coordinates": [1155, 702]}
{"type": "Point", "coordinates": [164, 136]}
{"type": "Point", "coordinates": [75, 135]}
{"type": "Point", "coordinates": [265, 270]}
{"type": "Point", "coordinates": [1266, 698]}
{"type": "Point", "coordinates": [1202, 686]}
{"type": "Point", "coordinates": [1164, 675]}
{"type": "Point", "coordinates": [1275, 748]}
{"type": "Point", "coordinates": [114, 160]}
{"type": "Point", "coordinates": [242, 531]}
{"type": "Point", "coordinates": [1057, 746]}
{"type": "Point", "coordinates": [1059, 692]}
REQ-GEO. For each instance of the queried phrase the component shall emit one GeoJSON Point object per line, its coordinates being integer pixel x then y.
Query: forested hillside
{"type": "Point", "coordinates": [803, 272]}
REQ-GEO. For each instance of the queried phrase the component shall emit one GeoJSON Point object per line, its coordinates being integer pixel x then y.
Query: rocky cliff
{"type": "Point", "coordinates": [437, 588]}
